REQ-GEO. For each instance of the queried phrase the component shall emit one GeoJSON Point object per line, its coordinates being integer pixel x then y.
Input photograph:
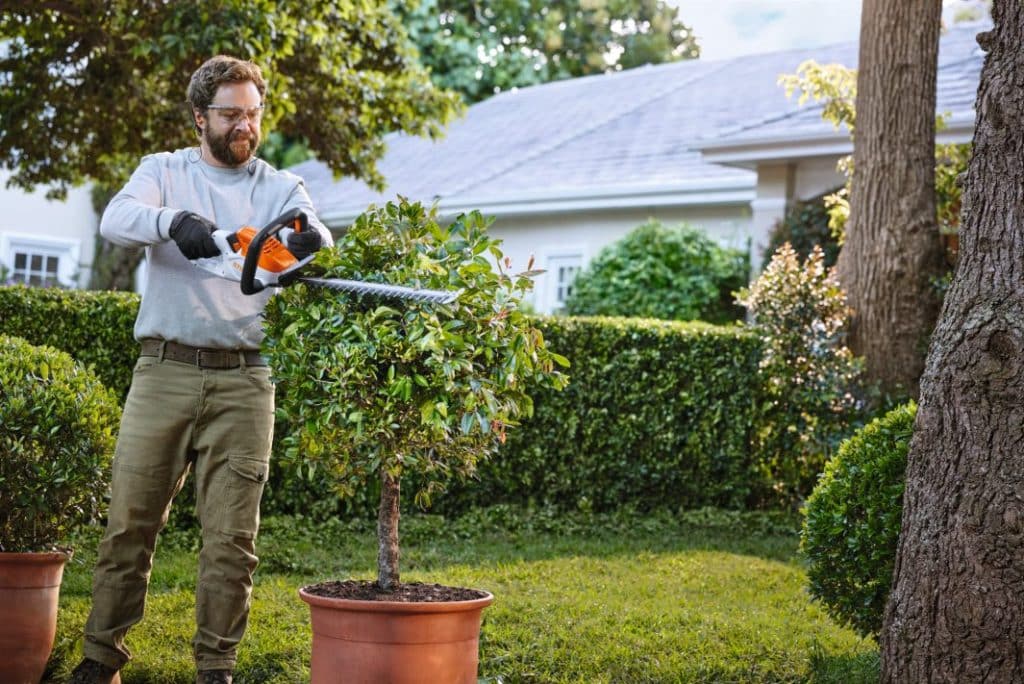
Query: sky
{"type": "Point", "coordinates": [728, 28]}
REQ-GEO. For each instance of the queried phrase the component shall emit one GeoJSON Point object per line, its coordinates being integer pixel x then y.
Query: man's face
{"type": "Point", "coordinates": [231, 126]}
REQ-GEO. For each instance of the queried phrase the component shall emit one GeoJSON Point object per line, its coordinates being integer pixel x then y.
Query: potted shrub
{"type": "Point", "coordinates": [375, 390]}
{"type": "Point", "coordinates": [57, 431]}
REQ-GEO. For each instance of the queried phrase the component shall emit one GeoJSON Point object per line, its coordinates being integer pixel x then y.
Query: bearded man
{"type": "Point", "coordinates": [201, 397]}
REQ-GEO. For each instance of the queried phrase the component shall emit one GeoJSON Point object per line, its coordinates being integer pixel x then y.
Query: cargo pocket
{"type": "Point", "coordinates": [242, 505]}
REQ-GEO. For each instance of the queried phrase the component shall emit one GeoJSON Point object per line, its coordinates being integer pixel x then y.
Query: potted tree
{"type": "Point", "coordinates": [376, 390]}
{"type": "Point", "coordinates": [57, 430]}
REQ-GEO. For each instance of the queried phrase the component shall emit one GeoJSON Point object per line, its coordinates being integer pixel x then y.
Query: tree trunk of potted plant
{"type": "Point", "coordinates": [387, 533]}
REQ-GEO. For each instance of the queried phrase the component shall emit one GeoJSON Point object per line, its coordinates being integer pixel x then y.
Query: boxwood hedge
{"type": "Point", "coordinates": [656, 414]}
{"type": "Point", "coordinates": [93, 327]}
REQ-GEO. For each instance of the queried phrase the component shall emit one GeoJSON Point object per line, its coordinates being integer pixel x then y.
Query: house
{"type": "Point", "coordinates": [46, 242]}
{"type": "Point", "coordinates": [568, 167]}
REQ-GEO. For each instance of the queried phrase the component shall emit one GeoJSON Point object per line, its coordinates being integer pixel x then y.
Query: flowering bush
{"type": "Point", "coordinates": [808, 404]}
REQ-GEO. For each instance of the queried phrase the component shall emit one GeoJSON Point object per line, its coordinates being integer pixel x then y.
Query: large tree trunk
{"type": "Point", "coordinates": [892, 248]}
{"type": "Point", "coordinates": [387, 533]}
{"type": "Point", "coordinates": [956, 611]}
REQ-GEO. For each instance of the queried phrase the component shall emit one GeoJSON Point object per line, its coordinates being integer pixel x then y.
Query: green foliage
{"type": "Point", "coordinates": [369, 387]}
{"type": "Point", "coordinates": [93, 327]}
{"type": "Point", "coordinates": [800, 313]}
{"type": "Point", "coordinates": [661, 272]}
{"type": "Point", "coordinates": [57, 426]}
{"type": "Point", "coordinates": [950, 162]}
{"type": "Point", "coordinates": [658, 414]}
{"type": "Point", "coordinates": [805, 226]}
{"type": "Point", "coordinates": [340, 75]}
{"type": "Point", "coordinates": [852, 522]}
{"type": "Point", "coordinates": [834, 84]}
{"type": "Point", "coordinates": [479, 49]}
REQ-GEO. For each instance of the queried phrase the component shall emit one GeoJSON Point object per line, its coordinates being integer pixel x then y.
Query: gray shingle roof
{"type": "Point", "coordinates": [632, 130]}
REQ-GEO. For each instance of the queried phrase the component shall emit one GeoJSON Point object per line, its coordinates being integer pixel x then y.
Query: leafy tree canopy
{"type": "Point", "coordinates": [88, 86]}
{"type": "Point", "coordinates": [480, 48]}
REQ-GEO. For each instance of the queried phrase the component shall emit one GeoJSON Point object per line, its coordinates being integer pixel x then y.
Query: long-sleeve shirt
{"type": "Point", "coordinates": [180, 302]}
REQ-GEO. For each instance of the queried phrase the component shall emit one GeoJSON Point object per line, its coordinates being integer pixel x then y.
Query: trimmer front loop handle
{"type": "Point", "coordinates": [293, 218]}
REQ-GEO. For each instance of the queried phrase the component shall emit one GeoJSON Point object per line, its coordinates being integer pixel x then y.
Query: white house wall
{"type": "Point", "coordinates": [65, 227]}
{"type": "Point", "coordinates": [815, 176]}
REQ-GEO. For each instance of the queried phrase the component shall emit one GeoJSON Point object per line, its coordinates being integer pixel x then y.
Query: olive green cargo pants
{"type": "Point", "coordinates": [177, 416]}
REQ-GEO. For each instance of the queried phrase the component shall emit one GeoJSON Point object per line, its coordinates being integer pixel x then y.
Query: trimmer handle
{"type": "Point", "coordinates": [293, 218]}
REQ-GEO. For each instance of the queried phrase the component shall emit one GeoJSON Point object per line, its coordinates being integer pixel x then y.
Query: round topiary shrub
{"type": "Point", "coordinates": [660, 272]}
{"type": "Point", "coordinates": [57, 430]}
{"type": "Point", "coordinates": [852, 522]}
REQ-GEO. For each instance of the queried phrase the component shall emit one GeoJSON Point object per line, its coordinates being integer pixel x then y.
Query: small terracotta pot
{"type": "Point", "coordinates": [29, 592]}
{"type": "Point", "coordinates": [391, 642]}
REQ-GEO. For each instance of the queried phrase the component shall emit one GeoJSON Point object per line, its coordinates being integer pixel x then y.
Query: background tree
{"type": "Point", "coordinates": [891, 252]}
{"type": "Point", "coordinates": [89, 86]}
{"type": "Point", "coordinates": [480, 48]}
{"type": "Point", "coordinates": [955, 612]}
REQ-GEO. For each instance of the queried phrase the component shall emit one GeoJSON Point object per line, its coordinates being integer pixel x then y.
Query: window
{"type": "Point", "coordinates": [38, 261]}
{"type": "Point", "coordinates": [562, 271]}
{"type": "Point", "coordinates": [35, 268]}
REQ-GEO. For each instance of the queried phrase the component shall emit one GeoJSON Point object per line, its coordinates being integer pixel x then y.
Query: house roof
{"type": "Point", "coordinates": [622, 139]}
{"type": "Point", "coordinates": [801, 132]}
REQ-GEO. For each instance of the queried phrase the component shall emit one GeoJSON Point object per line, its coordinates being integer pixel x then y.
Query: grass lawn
{"type": "Point", "coordinates": [706, 596]}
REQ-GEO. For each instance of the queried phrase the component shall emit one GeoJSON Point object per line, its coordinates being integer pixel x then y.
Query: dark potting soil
{"type": "Point", "coordinates": [410, 592]}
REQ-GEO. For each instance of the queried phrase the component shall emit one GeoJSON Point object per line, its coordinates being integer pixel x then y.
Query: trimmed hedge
{"type": "Point", "coordinates": [94, 327]}
{"type": "Point", "coordinates": [852, 522]}
{"type": "Point", "coordinates": [656, 414]}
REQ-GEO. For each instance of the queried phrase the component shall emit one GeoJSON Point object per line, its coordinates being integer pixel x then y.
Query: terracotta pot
{"type": "Point", "coordinates": [391, 642]}
{"type": "Point", "coordinates": [29, 590]}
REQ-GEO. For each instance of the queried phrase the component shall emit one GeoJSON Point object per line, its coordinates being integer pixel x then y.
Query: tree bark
{"type": "Point", "coordinates": [113, 267]}
{"type": "Point", "coordinates": [892, 249]}
{"type": "Point", "coordinates": [956, 613]}
{"type": "Point", "coordinates": [387, 533]}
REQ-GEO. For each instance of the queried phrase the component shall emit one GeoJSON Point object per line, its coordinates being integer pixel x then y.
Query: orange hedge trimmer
{"type": "Point", "coordinates": [261, 259]}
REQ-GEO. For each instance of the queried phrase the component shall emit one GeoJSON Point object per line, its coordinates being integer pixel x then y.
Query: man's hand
{"type": "Point", "coordinates": [193, 233]}
{"type": "Point", "coordinates": [305, 243]}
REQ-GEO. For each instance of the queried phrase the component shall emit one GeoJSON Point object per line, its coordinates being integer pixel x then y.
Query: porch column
{"type": "Point", "coordinates": [775, 184]}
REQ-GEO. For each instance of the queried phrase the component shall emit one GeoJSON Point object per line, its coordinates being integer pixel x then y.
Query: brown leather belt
{"type": "Point", "coordinates": [218, 359]}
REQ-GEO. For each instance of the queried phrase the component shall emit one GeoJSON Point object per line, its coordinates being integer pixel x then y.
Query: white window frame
{"type": "Point", "coordinates": [66, 251]}
{"type": "Point", "coordinates": [553, 297]}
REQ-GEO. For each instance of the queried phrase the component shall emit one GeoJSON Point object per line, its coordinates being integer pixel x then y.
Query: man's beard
{"type": "Point", "coordinates": [233, 148]}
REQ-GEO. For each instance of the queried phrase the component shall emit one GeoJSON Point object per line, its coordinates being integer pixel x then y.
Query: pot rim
{"type": "Point", "coordinates": [357, 605]}
{"type": "Point", "coordinates": [40, 557]}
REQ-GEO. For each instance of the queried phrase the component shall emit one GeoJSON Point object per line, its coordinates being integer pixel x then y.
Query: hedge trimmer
{"type": "Point", "coordinates": [261, 259]}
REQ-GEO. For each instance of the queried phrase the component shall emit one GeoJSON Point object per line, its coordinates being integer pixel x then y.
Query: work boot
{"type": "Point", "coordinates": [91, 672]}
{"type": "Point", "coordinates": [214, 677]}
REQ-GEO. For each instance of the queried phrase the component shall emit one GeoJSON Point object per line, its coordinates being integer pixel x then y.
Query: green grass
{"type": "Point", "coordinates": [706, 596]}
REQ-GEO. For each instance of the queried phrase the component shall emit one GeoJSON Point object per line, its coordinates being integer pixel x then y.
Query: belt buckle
{"type": "Point", "coordinates": [199, 357]}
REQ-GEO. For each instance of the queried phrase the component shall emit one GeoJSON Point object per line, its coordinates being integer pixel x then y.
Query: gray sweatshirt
{"type": "Point", "coordinates": [183, 303]}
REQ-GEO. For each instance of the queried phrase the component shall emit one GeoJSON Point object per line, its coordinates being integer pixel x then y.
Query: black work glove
{"type": "Point", "coordinates": [193, 233]}
{"type": "Point", "coordinates": [305, 243]}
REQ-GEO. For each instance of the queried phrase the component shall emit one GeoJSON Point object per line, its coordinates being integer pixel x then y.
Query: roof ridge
{"type": "Point", "coordinates": [579, 132]}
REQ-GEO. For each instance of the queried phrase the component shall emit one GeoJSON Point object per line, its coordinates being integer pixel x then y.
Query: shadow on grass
{"type": "Point", "coordinates": [861, 668]}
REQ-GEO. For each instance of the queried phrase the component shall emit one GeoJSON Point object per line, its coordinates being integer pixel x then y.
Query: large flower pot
{"type": "Point", "coordinates": [29, 591]}
{"type": "Point", "coordinates": [393, 642]}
